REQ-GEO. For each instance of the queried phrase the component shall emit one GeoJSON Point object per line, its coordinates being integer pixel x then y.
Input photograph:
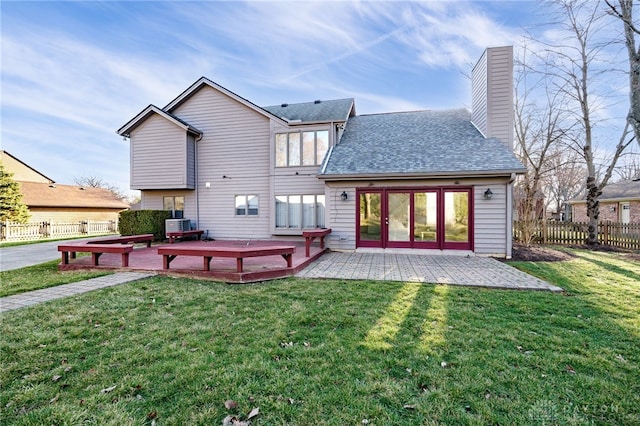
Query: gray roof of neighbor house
{"type": "Point", "coordinates": [317, 111]}
{"type": "Point", "coordinates": [428, 143]}
{"type": "Point", "coordinates": [619, 191]}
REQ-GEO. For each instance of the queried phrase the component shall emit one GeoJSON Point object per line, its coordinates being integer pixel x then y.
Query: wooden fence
{"type": "Point", "coordinates": [10, 231]}
{"type": "Point", "coordinates": [621, 235]}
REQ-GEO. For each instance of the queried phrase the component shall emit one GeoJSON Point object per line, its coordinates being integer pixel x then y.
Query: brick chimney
{"type": "Point", "coordinates": [492, 94]}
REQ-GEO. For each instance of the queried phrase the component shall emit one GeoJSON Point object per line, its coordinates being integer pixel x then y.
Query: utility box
{"type": "Point", "coordinates": [177, 225]}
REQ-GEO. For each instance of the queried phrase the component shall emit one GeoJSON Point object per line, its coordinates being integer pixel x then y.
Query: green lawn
{"type": "Point", "coordinates": [326, 352]}
{"type": "Point", "coordinates": [41, 276]}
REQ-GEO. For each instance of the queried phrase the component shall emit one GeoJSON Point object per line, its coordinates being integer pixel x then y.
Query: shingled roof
{"type": "Point", "coordinates": [418, 143]}
{"type": "Point", "coordinates": [314, 112]}
{"type": "Point", "coordinates": [36, 194]}
{"type": "Point", "coordinates": [620, 191]}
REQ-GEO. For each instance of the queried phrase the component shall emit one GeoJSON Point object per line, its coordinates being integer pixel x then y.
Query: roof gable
{"type": "Point", "coordinates": [21, 170]}
{"type": "Point", "coordinates": [150, 110]}
{"type": "Point", "coordinates": [420, 143]}
{"type": "Point", "coordinates": [203, 81]}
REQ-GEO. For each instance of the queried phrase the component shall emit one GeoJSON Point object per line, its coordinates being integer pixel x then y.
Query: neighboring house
{"type": "Point", "coordinates": [619, 202]}
{"type": "Point", "coordinates": [48, 201]}
{"type": "Point", "coordinates": [414, 180]}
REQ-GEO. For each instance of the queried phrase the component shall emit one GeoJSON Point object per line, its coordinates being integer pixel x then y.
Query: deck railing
{"type": "Point", "coordinates": [621, 235]}
{"type": "Point", "coordinates": [33, 231]}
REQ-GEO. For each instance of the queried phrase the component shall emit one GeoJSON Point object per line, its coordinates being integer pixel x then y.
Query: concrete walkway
{"type": "Point", "coordinates": [473, 271]}
{"type": "Point", "coordinates": [16, 257]}
{"type": "Point", "coordinates": [44, 295]}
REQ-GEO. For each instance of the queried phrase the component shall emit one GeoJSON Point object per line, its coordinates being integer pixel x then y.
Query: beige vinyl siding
{"type": "Point", "coordinates": [500, 89]}
{"type": "Point", "coordinates": [479, 94]}
{"type": "Point", "coordinates": [234, 157]}
{"type": "Point", "coordinates": [20, 171]}
{"type": "Point", "coordinates": [159, 155]}
{"type": "Point", "coordinates": [66, 214]}
{"type": "Point", "coordinates": [340, 216]}
{"type": "Point", "coordinates": [492, 94]}
{"type": "Point", "coordinates": [490, 223]}
{"type": "Point", "coordinates": [191, 161]}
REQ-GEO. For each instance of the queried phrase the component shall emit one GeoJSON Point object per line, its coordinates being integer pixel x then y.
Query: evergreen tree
{"type": "Point", "coordinates": [12, 208]}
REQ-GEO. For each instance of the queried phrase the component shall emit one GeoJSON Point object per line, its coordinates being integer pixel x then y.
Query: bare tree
{"type": "Point", "coordinates": [96, 182]}
{"type": "Point", "coordinates": [566, 182]}
{"type": "Point", "coordinates": [539, 120]}
{"type": "Point", "coordinates": [575, 65]}
{"type": "Point", "coordinates": [624, 12]}
{"type": "Point", "coordinates": [628, 168]}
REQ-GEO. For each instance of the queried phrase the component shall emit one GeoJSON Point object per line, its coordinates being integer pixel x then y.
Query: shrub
{"type": "Point", "coordinates": [133, 222]}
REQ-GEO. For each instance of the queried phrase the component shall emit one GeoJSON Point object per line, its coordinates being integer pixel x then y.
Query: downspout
{"type": "Point", "coordinates": [509, 206]}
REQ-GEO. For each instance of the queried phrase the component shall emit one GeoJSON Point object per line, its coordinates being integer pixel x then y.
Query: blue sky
{"type": "Point", "coordinates": [74, 72]}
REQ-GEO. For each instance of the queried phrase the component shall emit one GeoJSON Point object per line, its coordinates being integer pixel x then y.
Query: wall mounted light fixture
{"type": "Point", "coordinates": [612, 208]}
{"type": "Point", "coordinates": [344, 196]}
{"type": "Point", "coordinates": [207, 184]}
{"type": "Point", "coordinates": [488, 194]}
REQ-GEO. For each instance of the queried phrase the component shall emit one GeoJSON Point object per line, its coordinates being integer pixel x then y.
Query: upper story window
{"type": "Point", "coordinates": [175, 205]}
{"type": "Point", "coordinates": [306, 148]}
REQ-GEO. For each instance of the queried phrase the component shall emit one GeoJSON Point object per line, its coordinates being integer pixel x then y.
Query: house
{"type": "Point", "coordinates": [619, 202]}
{"type": "Point", "coordinates": [435, 180]}
{"type": "Point", "coordinates": [49, 201]}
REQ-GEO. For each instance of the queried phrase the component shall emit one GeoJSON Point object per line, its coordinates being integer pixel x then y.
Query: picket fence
{"type": "Point", "coordinates": [620, 235]}
{"type": "Point", "coordinates": [10, 231]}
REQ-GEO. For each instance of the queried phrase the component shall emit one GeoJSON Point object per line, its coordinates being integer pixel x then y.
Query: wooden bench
{"type": "Point", "coordinates": [239, 253]}
{"type": "Point", "coordinates": [181, 234]}
{"type": "Point", "coordinates": [311, 234]}
{"type": "Point", "coordinates": [96, 251]}
{"type": "Point", "coordinates": [125, 239]}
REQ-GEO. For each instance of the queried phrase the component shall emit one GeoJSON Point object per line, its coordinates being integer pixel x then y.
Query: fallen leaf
{"type": "Point", "coordinates": [66, 370]}
{"type": "Point", "coordinates": [56, 378]}
{"type": "Point", "coordinates": [291, 401]}
{"type": "Point", "coordinates": [365, 421]}
{"type": "Point", "coordinates": [620, 358]}
{"type": "Point", "coordinates": [54, 399]}
{"type": "Point", "coordinates": [152, 415]}
{"type": "Point", "coordinates": [229, 421]}
{"type": "Point", "coordinates": [307, 344]}
{"type": "Point", "coordinates": [570, 369]}
{"type": "Point", "coordinates": [519, 348]}
{"type": "Point", "coordinates": [253, 413]}
{"type": "Point", "coordinates": [109, 389]}
{"type": "Point", "coordinates": [487, 395]}
{"type": "Point", "coordinates": [409, 406]}
{"type": "Point", "coordinates": [230, 404]}
{"type": "Point", "coordinates": [443, 364]}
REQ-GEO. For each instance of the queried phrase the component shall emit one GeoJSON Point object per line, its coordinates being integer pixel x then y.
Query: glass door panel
{"type": "Point", "coordinates": [370, 204]}
{"type": "Point", "coordinates": [425, 217]}
{"type": "Point", "coordinates": [399, 207]}
{"type": "Point", "coordinates": [456, 217]}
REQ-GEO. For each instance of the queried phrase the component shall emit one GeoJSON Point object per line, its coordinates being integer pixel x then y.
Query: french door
{"type": "Point", "coordinates": [425, 217]}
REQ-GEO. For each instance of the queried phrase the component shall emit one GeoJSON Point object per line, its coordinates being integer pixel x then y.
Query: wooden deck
{"type": "Point", "coordinates": [221, 268]}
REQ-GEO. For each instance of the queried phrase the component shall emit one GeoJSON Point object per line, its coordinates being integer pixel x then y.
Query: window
{"type": "Point", "coordinates": [300, 211]}
{"type": "Point", "coordinates": [247, 205]}
{"type": "Point", "coordinates": [175, 205]}
{"type": "Point", "coordinates": [301, 148]}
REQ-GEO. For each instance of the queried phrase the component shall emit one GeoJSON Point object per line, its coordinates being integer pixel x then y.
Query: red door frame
{"type": "Point", "coordinates": [440, 243]}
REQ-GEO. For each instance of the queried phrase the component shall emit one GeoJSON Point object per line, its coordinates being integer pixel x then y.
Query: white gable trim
{"type": "Point", "coordinates": [203, 81]}
{"type": "Point", "coordinates": [145, 113]}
